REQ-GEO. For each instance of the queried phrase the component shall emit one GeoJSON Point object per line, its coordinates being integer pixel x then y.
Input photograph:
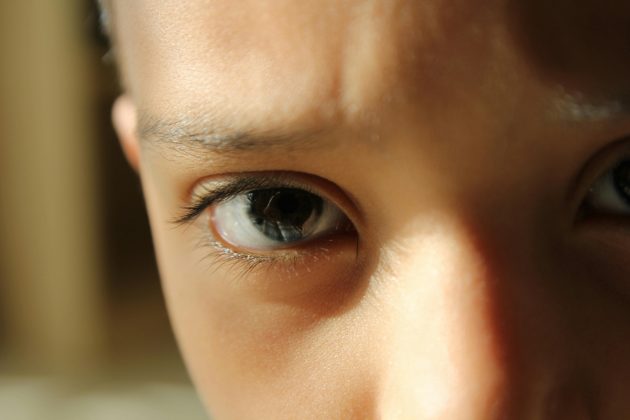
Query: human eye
{"type": "Point", "coordinates": [275, 218]}
{"type": "Point", "coordinates": [263, 217]}
{"type": "Point", "coordinates": [610, 194]}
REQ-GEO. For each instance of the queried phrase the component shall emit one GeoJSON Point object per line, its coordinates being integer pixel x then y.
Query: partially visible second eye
{"type": "Point", "coordinates": [611, 192]}
{"type": "Point", "coordinates": [276, 218]}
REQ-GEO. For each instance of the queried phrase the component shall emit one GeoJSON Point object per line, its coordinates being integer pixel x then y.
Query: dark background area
{"type": "Point", "coordinates": [79, 289]}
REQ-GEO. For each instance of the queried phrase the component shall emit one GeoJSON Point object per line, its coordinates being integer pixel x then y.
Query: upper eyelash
{"type": "Point", "coordinates": [230, 189]}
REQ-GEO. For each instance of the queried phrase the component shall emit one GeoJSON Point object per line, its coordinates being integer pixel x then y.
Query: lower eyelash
{"type": "Point", "coordinates": [224, 254]}
{"type": "Point", "coordinates": [219, 256]}
{"type": "Point", "coordinates": [232, 255]}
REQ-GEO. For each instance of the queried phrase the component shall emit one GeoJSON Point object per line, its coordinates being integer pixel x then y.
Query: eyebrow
{"type": "Point", "coordinates": [206, 135]}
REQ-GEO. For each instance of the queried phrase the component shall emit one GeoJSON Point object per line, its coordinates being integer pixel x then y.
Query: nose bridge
{"type": "Point", "coordinates": [448, 348]}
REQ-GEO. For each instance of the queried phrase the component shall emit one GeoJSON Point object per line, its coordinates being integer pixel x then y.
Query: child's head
{"type": "Point", "coordinates": [388, 208]}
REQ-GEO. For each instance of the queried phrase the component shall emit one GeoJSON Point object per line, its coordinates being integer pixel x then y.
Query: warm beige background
{"type": "Point", "coordinates": [79, 295]}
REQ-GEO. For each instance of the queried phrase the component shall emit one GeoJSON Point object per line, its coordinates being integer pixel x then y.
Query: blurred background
{"type": "Point", "coordinates": [83, 329]}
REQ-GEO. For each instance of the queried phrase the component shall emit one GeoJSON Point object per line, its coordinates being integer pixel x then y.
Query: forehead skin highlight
{"type": "Point", "coordinates": [308, 63]}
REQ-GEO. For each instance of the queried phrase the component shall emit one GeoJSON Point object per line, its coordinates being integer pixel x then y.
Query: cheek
{"type": "Point", "coordinates": [260, 347]}
{"type": "Point", "coordinates": [251, 316]}
{"type": "Point", "coordinates": [606, 250]}
{"type": "Point", "coordinates": [254, 339]}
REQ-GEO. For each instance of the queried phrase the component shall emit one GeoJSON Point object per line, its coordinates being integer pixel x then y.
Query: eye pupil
{"type": "Point", "coordinates": [281, 213]}
{"type": "Point", "coordinates": [286, 203]}
{"type": "Point", "coordinates": [621, 176]}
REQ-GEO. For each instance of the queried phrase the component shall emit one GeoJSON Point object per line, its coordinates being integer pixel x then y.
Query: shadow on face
{"type": "Point", "coordinates": [582, 42]}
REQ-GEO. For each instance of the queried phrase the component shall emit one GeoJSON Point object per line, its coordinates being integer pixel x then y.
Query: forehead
{"type": "Point", "coordinates": [278, 62]}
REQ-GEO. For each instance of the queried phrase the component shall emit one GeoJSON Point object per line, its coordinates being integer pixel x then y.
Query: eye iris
{"type": "Point", "coordinates": [282, 213]}
{"type": "Point", "coordinates": [621, 176]}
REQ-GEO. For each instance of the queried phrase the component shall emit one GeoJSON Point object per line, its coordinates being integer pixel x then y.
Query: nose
{"type": "Point", "coordinates": [454, 343]}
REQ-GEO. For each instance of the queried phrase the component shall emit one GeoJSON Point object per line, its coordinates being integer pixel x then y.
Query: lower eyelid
{"type": "Point", "coordinates": [287, 261]}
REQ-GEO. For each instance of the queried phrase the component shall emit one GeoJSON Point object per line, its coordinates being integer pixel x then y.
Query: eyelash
{"type": "Point", "coordinates": [220, 255]}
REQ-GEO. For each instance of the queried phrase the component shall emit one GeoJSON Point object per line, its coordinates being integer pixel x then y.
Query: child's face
{"type": "Point", "coordinates": [389, 208]}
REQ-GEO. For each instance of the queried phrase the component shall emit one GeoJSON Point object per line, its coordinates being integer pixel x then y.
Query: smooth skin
{"type": "Point", "coordinates": [464, 141]}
